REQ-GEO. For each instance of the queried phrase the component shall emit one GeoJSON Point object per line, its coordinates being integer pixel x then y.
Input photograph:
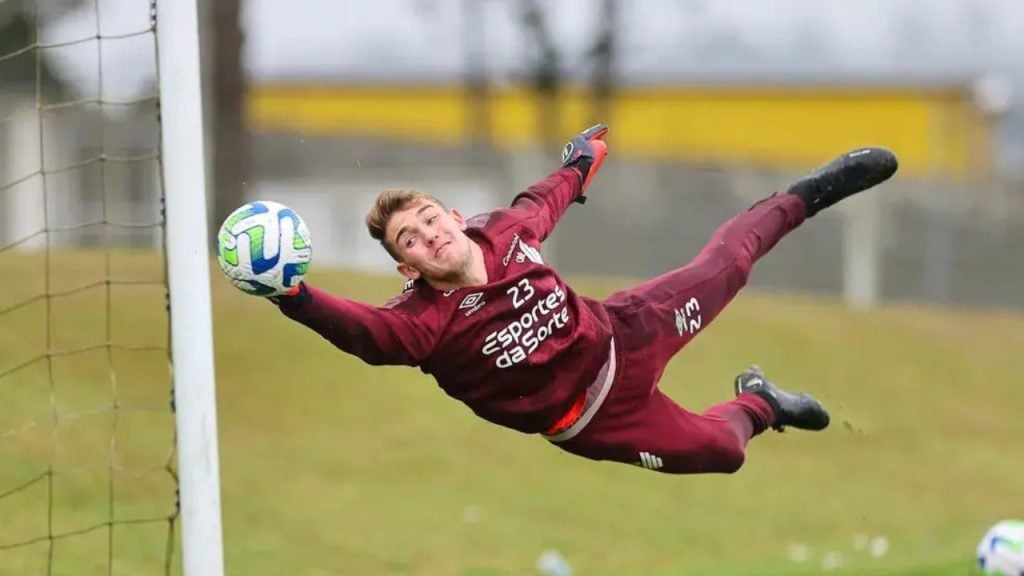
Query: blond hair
{"type": "Point", "coordinates": [388, 203]}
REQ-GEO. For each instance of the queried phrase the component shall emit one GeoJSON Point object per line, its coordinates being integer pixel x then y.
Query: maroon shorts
{"type": "Point", "coordinates": [636, 423]}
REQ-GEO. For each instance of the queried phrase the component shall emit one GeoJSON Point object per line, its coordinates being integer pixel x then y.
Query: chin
{"type": "Point", "coordinates": [446, 274]}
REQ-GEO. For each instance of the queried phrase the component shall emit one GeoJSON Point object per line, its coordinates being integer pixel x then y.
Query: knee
{"type": "Point", "coordinates": [737, 267]}
{"type": "Point", "coordinates": [732, 460]}
{"type": "Point", "coordinates": [727, 457]}
{"type": "Point", "coordinates": [736, 260]}
{"type": "Point", "coordinates": [714, 457]}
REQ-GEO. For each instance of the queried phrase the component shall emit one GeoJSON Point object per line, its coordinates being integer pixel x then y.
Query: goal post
{"type": "Point", "coordinates": [184, 177]}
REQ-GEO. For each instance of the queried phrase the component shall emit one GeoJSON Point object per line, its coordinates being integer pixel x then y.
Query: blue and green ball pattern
{"type": "Point", "coordinates": [1001, 550]}
{"type": "Point", "coordinates": [267, 267]}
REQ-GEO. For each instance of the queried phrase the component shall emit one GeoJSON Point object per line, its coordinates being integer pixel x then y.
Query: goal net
{"type": "Point", "coordinates": [99, 414]}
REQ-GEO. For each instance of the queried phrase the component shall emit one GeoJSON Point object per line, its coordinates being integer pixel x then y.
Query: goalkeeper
{"type": "Point", "coordinates": [503, 333]}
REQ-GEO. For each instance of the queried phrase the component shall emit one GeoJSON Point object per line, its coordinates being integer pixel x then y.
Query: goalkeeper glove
{"type": "Point", "coordinates": [585, 153]}
{"type": "Point", "coordinates": [294, 296]}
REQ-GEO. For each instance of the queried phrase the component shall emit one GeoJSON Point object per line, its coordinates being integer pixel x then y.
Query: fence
{"type": "Point", "coordinates": [914, 239]}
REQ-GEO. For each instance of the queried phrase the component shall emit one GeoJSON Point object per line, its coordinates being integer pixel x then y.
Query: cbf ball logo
{"type": "Point", "coordinates": [567, 152]}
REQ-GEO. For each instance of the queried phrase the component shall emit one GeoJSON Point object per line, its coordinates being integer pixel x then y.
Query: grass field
{"type": "Point", "coordinates": [329, 466]}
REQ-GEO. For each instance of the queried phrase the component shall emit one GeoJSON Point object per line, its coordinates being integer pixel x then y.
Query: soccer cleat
{"type": "Point", "coordinates": [853, 172]}
{"type": "Point", "coordinates": [796, 410]}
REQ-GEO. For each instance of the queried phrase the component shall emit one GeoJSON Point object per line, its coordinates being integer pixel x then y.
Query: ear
{"type": "Point", "coordinates": [408, 271]}
{"type": "Point", "coordinates": [459, 219]}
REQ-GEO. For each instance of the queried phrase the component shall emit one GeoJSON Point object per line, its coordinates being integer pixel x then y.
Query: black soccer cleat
{"type": "Point", "coordinates": [853, 172]}
{"type": "Point", "coordinates": [796, 410]}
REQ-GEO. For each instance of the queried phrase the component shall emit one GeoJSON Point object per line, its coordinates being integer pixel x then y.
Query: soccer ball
{"type": "Point", "coordinates": [1001, 551]}
{"type": "Point", "coordinates": [264, 249]}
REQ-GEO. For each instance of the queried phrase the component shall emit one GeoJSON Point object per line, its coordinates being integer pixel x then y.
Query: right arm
{"type": "Point", "coordinates": [542, 204]}
{"type": "Point", "coordinates": [378, 336]}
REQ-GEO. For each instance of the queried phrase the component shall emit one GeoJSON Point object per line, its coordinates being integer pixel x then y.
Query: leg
{"type": "Point", "coordinates": [668, 311]}
{"type": "Point", "coordinates": [664, 437]}
{"type": "Point", "coordinates": [692, 296]}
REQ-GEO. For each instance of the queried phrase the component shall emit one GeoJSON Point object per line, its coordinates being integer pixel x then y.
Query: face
{"type": "Point", "coordinates": [430, 242]}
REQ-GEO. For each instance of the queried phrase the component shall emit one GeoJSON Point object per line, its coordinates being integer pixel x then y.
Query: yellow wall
{"type": "Point", "coordinates": [934, 131]}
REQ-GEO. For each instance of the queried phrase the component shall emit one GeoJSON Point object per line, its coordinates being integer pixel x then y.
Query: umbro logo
{"type": "Point", "coordinates": [472, 303]}
{"type": "Point", "coordinates": [688, 318]}
{"type": "Point", "coordinates": [650, 461]}
{"type": "Point", "coordinates": [471, 300]}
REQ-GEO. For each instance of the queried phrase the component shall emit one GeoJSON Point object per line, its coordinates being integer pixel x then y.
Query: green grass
{"type": "Point", "coordinates": [329, 466]}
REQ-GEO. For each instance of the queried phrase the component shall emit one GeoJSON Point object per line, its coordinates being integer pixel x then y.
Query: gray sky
{"type": "Point", "coordinates": [665, 36]}
{"type": "Point", "coordinates": [661, 40]}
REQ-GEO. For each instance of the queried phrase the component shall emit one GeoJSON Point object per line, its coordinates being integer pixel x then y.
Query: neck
{"type": "Point", "coordinates": [474, 273]}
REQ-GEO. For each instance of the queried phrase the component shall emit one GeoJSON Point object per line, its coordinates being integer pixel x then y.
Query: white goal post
{"type": "Point", "coordinates": [184, 177]}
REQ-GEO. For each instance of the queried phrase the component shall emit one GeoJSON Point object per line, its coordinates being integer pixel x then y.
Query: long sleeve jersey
{"type": "Point", "coordinates": [517, 351]}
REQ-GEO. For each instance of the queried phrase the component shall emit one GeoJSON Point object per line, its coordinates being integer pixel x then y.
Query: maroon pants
{"type": "Point", "coordinates": [637, 423]}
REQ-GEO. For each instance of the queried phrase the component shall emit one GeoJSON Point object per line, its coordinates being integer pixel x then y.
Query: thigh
{"type": "Point", "coordinates": [665, 313]}
{"type": "Point", "coordinates": [668, 311]}
{"type": "Point", "coordinates": [662, 436]}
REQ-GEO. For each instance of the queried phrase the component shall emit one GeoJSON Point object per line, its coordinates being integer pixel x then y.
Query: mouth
{"type": "Point", "coordinates": [437, 253]}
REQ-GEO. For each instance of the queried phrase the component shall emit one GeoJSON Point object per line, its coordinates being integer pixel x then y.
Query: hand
{"type": "Point", "coordinates": [585, 153]}
{"type": "Point", "coordinates": [295, 296]}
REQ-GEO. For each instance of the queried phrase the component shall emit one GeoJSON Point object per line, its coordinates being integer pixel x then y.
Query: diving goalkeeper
{"type": "Point", "coordinates": [502, 332]}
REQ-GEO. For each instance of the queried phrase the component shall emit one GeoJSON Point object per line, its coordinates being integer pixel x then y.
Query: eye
{"type": "Point", "coordinates": [431, 219]}
{"type": "Point", "coordinates": [410, 241]}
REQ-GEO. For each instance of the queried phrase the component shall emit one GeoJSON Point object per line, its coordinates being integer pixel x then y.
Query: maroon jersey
{"type": "Point", "coordinates": [518, 350]}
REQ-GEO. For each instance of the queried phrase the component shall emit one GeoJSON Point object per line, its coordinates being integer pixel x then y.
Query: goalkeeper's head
{"type": "Point", "coordinates": [426, 239]}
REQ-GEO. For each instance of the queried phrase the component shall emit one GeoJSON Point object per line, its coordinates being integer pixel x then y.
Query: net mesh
{"type": "Point", "coordinates": [87, 477]}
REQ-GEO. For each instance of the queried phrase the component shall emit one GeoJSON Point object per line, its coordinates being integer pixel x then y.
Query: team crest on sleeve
{"type": "Point", "coordinates": [522, 252]}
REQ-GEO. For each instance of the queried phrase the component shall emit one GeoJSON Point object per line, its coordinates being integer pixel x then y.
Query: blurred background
{"type": "Point", "coordinates": [901, 308]}
{"type": "Point", "coordinates": [320, 104]}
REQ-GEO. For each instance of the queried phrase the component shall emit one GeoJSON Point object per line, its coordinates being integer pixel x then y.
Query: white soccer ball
{"type": "Point", "coordinates": [1001, 551]}
{"type": "Point", "coordinates": [264, 249]}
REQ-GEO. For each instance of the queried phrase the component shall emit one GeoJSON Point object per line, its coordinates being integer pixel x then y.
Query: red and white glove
{"type": "Point", "coordinates": [585, 153]}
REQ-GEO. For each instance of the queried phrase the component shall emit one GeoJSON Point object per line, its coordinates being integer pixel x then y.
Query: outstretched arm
{"type": "Point", "coordinates": [379, 336]}
{"type": "Point", "coordinates": [543, 204]}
